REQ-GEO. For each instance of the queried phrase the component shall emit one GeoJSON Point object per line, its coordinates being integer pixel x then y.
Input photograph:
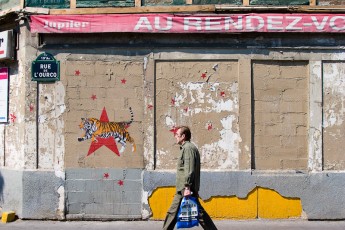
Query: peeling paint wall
{"type": "Point", "coordinates": [333, 115]}
{"type": "Point", "coordinates": [285, 133]}
{"type": "Point", "coordinates": [255, 112]}
{"type": "Point", "coordinates": [51, 126]}
{"type": "Point", "coordinates": [204, 96]}
{"type": "Point", "coordinates": [25, 189]}
{"type": "Point", "coordinates": [14, 131]}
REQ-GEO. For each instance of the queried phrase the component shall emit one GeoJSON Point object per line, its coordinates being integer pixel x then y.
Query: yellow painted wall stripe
{"type": "Point", "coordinates": [260, 202]}
{"type": "Point", "coordinates": [231, 207]}
{"type": "Point", "coordinates": [160, 201]}
{"type": "Point", "coordinates": [271, 205]}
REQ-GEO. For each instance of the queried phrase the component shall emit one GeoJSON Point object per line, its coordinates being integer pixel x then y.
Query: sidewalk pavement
{"type": "Point", "coordinates": [156, 225]}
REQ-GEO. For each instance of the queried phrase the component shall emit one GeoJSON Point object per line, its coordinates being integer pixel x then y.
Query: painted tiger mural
{"type": "Point", "coordinates": [118, 130]}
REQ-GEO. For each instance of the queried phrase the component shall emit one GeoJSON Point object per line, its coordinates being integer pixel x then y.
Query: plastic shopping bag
{"type": "Point", "coordinates": [188, 213]}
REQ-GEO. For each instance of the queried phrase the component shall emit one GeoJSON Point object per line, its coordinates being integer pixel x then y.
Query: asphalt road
{"type": "Point", "coordinates": [153, 225]}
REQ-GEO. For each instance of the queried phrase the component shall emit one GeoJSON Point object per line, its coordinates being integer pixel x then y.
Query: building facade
{"type": "Point", "coordinates": [261, 86]}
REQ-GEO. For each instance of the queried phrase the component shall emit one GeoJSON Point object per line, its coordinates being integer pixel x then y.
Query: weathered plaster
{"type": "Point", "coordinates": [228, 142]}
{"type": "Point", "coordinates": [230, 117]}
{"type": "Point", "coordinates": [204, 96]}
{"type": "Point", "coordinates": [315, 117]}
{"type": "Point", "coordinates": [333, 115]}
{"type": "Point", "coordinates": [145, 211]}
{"type": "Point", "coordinates": [51, 126]}
{"type": "Point", "coordinates": [15, 146]}
{"type": "Point", "coordinates": [27, 101]}
{"type": "Point", "coordinates": [334, 86]}
{"type": "Point", "coordinates": [31, 194]}
{"type": "Point", "coordinates": [245, 114]}
{"type": "Point", "coordinates": [60, 212]}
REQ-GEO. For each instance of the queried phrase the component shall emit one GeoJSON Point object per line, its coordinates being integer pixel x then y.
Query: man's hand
{"type": "Point", "coordinates": [187, 191]}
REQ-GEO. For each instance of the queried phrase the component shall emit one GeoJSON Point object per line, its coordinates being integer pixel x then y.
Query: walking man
{"type": "Point", "coordinates": [187, 180]}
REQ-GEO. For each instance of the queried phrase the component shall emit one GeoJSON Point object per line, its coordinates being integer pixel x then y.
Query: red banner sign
{"type": "Point", "coordinates": [198, 23]}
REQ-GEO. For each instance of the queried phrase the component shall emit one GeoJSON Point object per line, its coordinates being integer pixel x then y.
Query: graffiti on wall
{"type": "Point", "coordinates": [178, 99]}
{"type": "Point", "coordinates": [204, 96]}
{"type": "Point", "coordinates": [102, 132]}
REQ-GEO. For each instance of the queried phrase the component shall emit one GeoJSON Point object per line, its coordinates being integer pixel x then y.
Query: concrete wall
{"type": "Point", "coordinates": [280, 101]}
{"type": "Point", "coordinates": [32, 183]}
{"type": "Point", "coordinates": [31, 194]}
{"type": "Point", "coordinates": [280, 132]}
{"type": "Point", "coordinates": [97, 86]}
{"type": "Point", "coordinates": [103, 176]}
{"type": "Point", "coordinates": [11, 190]}
{"type": "Point", "coordinates": [103, 193]}
{"type": "Point", "coordinates": [256, 113]}
{"type": "Point", "coordinates": [333, 124]}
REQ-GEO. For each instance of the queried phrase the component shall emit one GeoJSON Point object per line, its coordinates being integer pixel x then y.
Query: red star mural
{"type": "Point", "coordinates": [173, 101]}
{"type": "Point", "coordinates": [120, 182]}
{"type": "Point", "coordinates": [123, 81]}
{"type": "Point", "coordinates": [31, 108]}
{"type": "Point", "coordinates": [93, 97]}
{"type": "Point", "coordinates": [13, 117]}
{"type": "Point", "coordinates": [209, 126]}
{"type": "Point", "coordinates": [77, 72]}
{"type": "Point", "coordinates": [106, 175]}
{"type": "Point", "coordinates": [222, 94]}
{"type": "Point", "coordinates": [203, 75]}
{"type": "Point", "coordinates": [173, 130]}
{"type": "Point", "coordinates": [108, 142]}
